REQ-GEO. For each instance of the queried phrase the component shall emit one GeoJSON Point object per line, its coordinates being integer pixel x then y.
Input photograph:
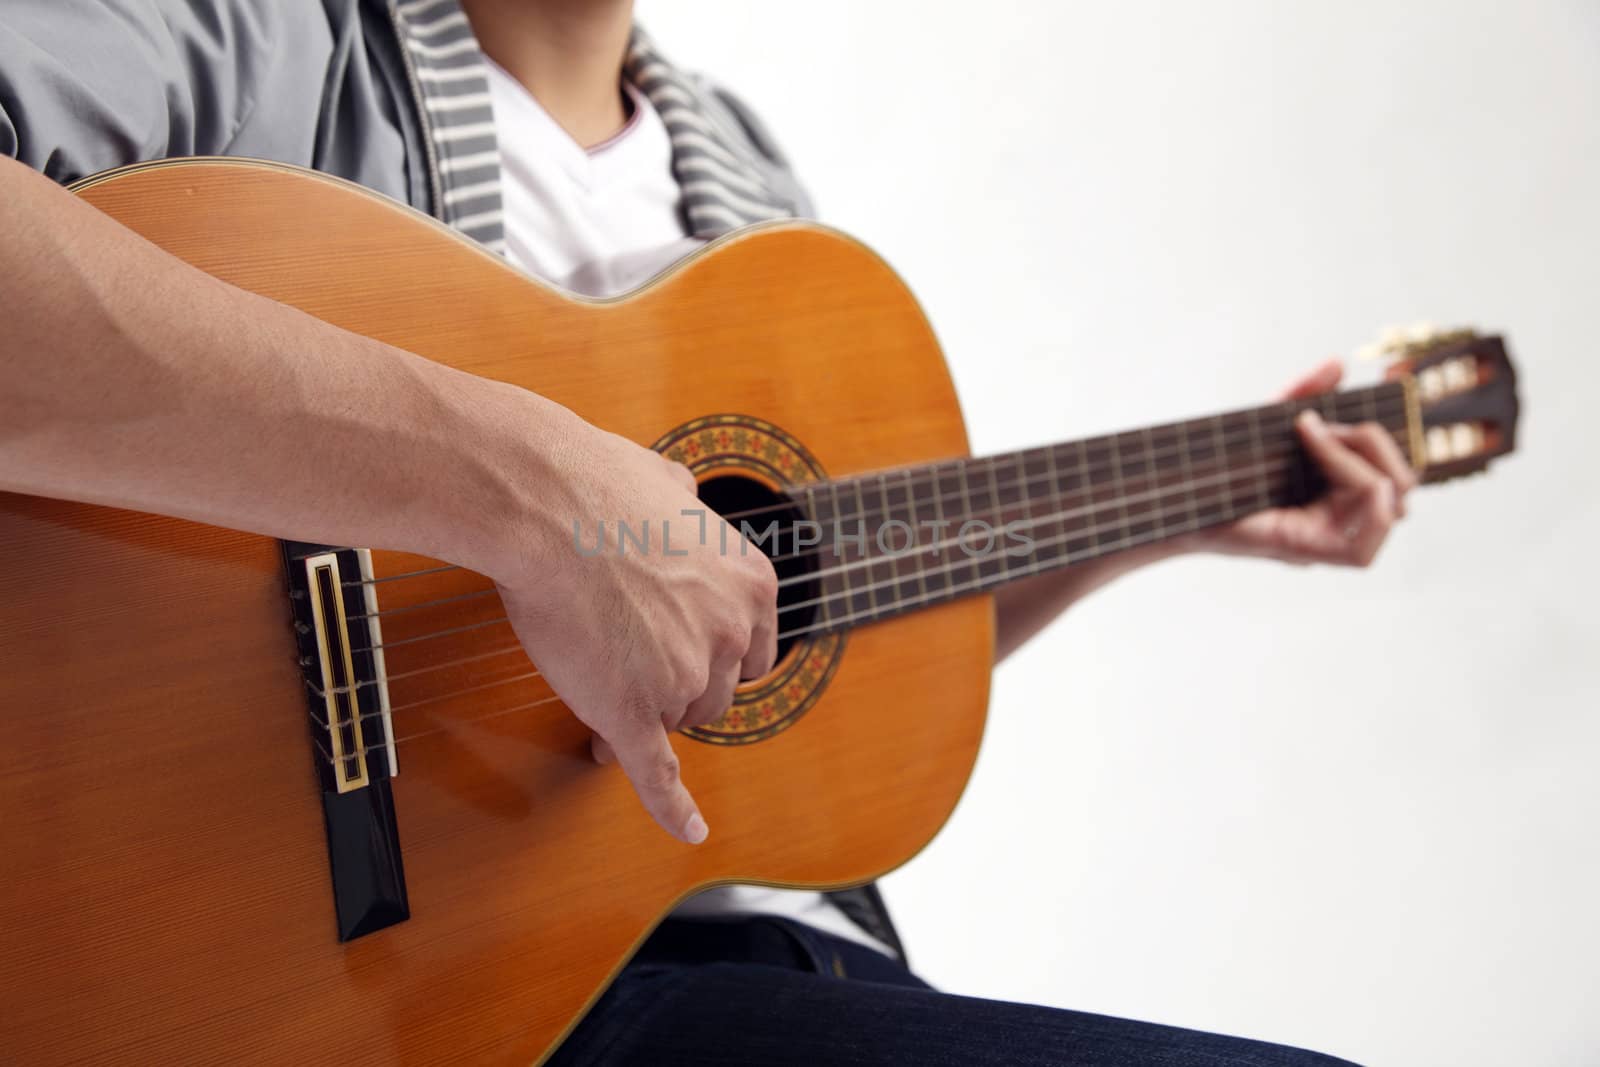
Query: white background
{"type": "Point", "coordinates": [1353, 811]}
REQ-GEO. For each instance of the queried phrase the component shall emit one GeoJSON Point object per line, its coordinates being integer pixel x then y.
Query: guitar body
{"type": "Point", "coordinates": [164, 866]}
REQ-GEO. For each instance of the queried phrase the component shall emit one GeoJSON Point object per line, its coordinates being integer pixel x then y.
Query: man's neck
{"type": "Point", "coordinates": [567, 53]}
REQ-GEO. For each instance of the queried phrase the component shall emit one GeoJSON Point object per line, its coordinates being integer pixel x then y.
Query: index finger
{"type": "Point", "coordinates": [646, 756]}
{"type": "Point", "coordinates": [1339, 462]}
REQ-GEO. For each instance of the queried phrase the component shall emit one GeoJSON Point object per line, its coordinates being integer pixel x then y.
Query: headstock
{"type": "Point", "coordinates": [1464, 391]}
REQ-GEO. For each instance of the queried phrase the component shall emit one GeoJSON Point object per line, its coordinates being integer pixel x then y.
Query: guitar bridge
{"type": "Point", "coordinates": [340, 643]}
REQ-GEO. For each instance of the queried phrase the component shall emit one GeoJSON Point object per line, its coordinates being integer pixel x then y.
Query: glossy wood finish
{"type": "Point", "coordinates": [164, 891]}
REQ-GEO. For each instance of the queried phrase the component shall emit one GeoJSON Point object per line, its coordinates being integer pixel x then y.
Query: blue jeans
{"type": "Point", "coordinates": [767, 992]}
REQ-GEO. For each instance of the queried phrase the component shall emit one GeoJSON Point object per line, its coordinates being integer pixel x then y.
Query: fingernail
{"type": "Point", "coordinates": [695, 830]}
{"type": "Point", "coordinates": [1309, 419]}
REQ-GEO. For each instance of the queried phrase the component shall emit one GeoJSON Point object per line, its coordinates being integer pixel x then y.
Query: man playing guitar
{"type": "Point", "coordinates": [551, 131]}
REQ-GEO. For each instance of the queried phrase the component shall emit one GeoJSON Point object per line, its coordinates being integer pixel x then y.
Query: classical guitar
{"type": "Point", "coordinates": [287, 803]}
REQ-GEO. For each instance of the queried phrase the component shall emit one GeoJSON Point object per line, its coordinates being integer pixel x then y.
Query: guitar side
{"type": "Point", "coordinates": [165, 886]}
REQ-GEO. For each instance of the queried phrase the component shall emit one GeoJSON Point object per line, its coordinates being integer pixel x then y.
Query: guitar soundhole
{"type": "Point", "coordinates": [753, 473]}
{"type": "Point", "coordinates": [772, 523]}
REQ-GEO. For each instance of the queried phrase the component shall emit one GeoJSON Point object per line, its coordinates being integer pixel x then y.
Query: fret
{"type": "Point", "coordinates": [1089, 545]}
{"type": "Point", "coordinates": [856, 602]}
{"type": "Point", "coordinates": [897, 538]}
{"type": "Point", "coordinates": [1157, 484]}
{"type": "Point", "coordinates": [824, 617]}
{"type": "Point", "coordinates": [829, 559]}
{"type": "Point", "coordinates": [1186, 472]}
{"type": "Point", "coordinates": [1039, 511]}
{"type": "Point", "coordinates": [973, 535]}
{"type": "Point", "coordinates": [1258, 459]}
{"type": "Point", "coordinates": [1015, 493]}
{"type": "Point", "coordinates": [864, 573]}
{"type": "Point", "coordinates": [932, 531]}
{"type": "Point", "coordinates": [939, 579]}
{"type": "Point", "coordinates": [1056, 504]}
{"type": "Point", "coordinates": [1019, 549]}
{"type": "Point", "coordinates": [1139, 476]}
{"type": "Point", "coordinates": [914, 554]}
{"type": "Point", "coordinates": [1218, 510]}
{"type": "Point", "coordinates": [1119, 486]}
{"type": "Point", "coordinates": [966, 511]}
{"type": "Point", "coordinates": [996, 560]}
{"type": "Point", "coordinates": [1188, 480]}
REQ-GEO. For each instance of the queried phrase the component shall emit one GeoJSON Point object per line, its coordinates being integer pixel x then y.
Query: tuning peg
{"type": "Point", "coordinates": [1456, 441]}
{"type": "Point", "coordinates": [1423, 333]}
{"type": "Point", "coordinates": [1400, 343]}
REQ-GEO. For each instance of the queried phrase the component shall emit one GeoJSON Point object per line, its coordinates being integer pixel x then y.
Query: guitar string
{"type": "Point", "coordinates": [865, 561]}
{"type": "Point", "coordinates": [1090, 474]}
{"type": "Point", "coordinates": [928, 475]}
{"type": "Point", "coordinates": [1158, 532]}
{"type": "Point", "coordinates": [1191, 506]}
{"type": "Point", "coordinates": [1370, 398]}
{"type": "Point", "coordinates": [1122, 502]}
{"type": "Point", "coordinates": [385, 613]}
{"type": "Point", "coordinates": [997, 510]}
{"type": "Point", "coordinates": [395, 677]}
{"type": "Point", "coordinates": [363, 751]}
{"type": "Point", "coordinates": [524, 677]}
{"type": "Point", "coordinates": [1128, 541]}
{"type": "Point", "coordinates": [1092, 507]}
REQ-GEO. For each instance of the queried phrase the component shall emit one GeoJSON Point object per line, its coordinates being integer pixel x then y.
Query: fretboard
{"type": "Point", "coordinates": [899, 540]}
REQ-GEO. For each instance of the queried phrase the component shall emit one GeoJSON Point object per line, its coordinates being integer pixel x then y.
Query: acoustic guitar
{"type": "Point", "coordinates": [287, 803]}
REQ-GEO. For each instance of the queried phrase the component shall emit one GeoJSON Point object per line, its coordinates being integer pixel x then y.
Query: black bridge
{"type": "Point", "coordinates": [352, 742]}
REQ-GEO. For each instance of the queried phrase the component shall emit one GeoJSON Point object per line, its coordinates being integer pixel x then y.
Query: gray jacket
{"type": "Point", "coordinates": [390, 95]}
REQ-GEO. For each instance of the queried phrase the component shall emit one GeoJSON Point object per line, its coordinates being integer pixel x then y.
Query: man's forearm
{"type": "Point", "coordinates": [130, 379]}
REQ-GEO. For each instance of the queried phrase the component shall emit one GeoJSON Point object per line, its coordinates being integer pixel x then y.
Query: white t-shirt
{"type": "Point", "coordinates": [599, 222]}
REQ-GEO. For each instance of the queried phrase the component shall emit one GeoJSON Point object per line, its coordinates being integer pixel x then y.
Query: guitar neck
{"type": "Point", "coordinates": [896, 541]}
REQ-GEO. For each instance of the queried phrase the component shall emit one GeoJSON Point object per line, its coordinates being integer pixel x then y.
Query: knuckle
{"type": "Point", "coordinates": [662, 774]}
{"type": "Point", "coordinates": [733, 636]}
{"type": "Point", "coordinates": [690, 678]}
{"type": "Point", "coordinates": [765, 581]}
